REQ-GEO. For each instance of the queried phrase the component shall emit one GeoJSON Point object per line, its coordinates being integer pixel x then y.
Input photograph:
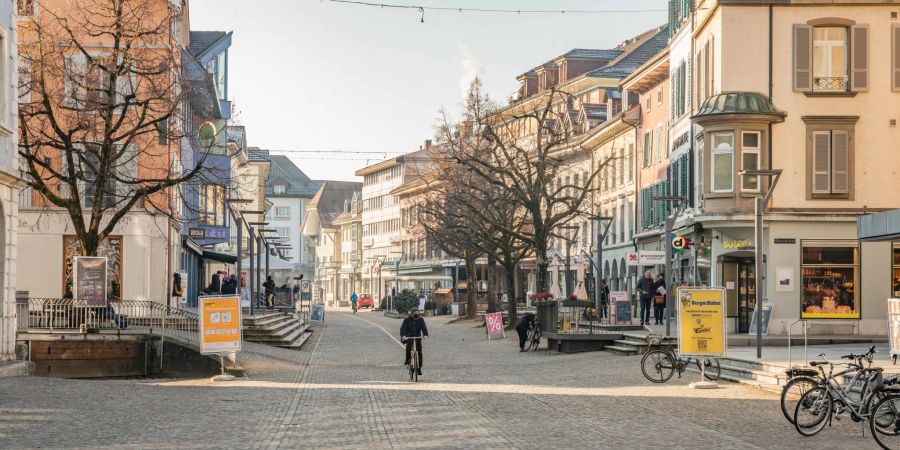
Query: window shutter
{"type": "Point", "coordinates": [840, 162]}
{"type": "Point", "coordinates": [684, 175]}
{"type": "Point", "coordinates": [802, 58]}
{"type": "Point", "coordinates": [895, 65]}
{"type": "Point", "coordinates": [859, 53]}
{"type": "Point", "coordinates": [821, 161]}
{"type": "Point", "coordinates": [711, 67]}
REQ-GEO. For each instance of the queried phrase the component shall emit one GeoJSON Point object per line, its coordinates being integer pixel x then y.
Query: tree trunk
{"type": "Point", "coordinates": [510, 274]}
{"type": "Point", "coordinates": [541, 267]}
{"type": "Point", "coordinates": [492, 284]}
{"type": "Point", "coordinates": [471, 288]}
{"type": "Point", "coordinates": [89, 244]}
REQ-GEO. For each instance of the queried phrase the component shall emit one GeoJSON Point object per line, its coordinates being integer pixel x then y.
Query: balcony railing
{"type": "Point", "coordinates": [830, 84]}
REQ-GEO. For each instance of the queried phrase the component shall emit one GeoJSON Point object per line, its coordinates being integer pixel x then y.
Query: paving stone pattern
{"type": "Point", "coordinates": [347, 389]}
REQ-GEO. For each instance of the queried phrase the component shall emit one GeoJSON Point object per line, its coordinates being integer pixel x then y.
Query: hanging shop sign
{"type": "Point", "coordinates": [90, 281]}
{"type": "Point", "coordinates": [701, 319]}
{"type": "Point", "coordinates": [680, 244]}
{"type": "Point", "coordinates": [220, 323]}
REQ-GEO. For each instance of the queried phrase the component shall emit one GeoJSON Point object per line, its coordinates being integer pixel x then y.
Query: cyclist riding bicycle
{"type": "Point", "coordinates": [353, 300]}
{"type": "Point", "coordinates": [413, 326]}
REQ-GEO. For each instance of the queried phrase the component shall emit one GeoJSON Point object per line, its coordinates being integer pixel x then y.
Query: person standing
{"type": "Point", "coordinates": [659, 299]}
{"type": "Point", "coordinates": [604, 299]}
{"type": "Point", "coordinates": [353, 300]}
{"type": "Point", "coordinates": [645, 294]}
{"type": "Point", "coordinates": [522, 326]}
{"type": "Point", "coordinates": [269, 286]}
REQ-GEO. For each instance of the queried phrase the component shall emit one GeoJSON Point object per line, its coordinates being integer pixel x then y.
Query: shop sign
{"type": "Point", "coordinates": [90, 281]}
{"type": "Point", "coordinates": [208, 233]}
{"type": "Point", "coordinates": [220, 323]}
{"type": "Point", "coordinates": [632, 259]}
{"type": "Point", "coordinates": [652, 257]}
{"type": "Point", "coordinates": [785, 240]}
{"type": "Point", "coordinates": [494, 325]}
{"type": "Point", "coordinates": [701, 319]}
{"type": "Point", "coordinates": [737, 244]}
{"type": "Point", "coordinates": [620, 307]}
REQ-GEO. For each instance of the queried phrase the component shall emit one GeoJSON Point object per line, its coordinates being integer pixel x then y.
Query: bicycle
{"type": "Point", "coordinates": [353, 304]}
{"type": "Point", "coordinates": [885, 417]}
{"type": "Point", "coordinates": [414, 360]}
{"type": "Point", "coordinates": [801, 381]}
{"type": "Point", "coordinates": [817, 407]}
{"type": "Point", "coordinates": [659, 364]}
{"type": "Point", "coordinates": [533, 338]}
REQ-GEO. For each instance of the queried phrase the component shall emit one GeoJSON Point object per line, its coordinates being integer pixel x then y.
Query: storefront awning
{"type": "Point", "coordinates": [883, 226]}
{"type": "Point", "coordinates": [220, 257]}
{"type": "Point", "coordinates": [443, 291]}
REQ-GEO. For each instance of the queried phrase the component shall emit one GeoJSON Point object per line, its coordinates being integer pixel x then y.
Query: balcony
{"type": "Point", "coordinates": [830, 84]}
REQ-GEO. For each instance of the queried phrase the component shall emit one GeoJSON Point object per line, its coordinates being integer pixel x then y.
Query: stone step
{"type": "Point", "coordinates": [621, 350]}
{"type": "Point", "coordinates": [262, 319]}
{"type": "Point", "coordinates": [296, 344]}
{"type": "Point", "coordinates": [286, 335]}
{"type": "Point", "coordinates": [270, 327]}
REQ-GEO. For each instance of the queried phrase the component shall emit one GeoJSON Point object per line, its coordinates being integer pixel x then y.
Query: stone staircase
{"type": "Point", "coordinates": [277, 329]}
{"type": "Point", "coordinates": [636, 343]}
{"type": "Point", "coordinates": [758, 374]}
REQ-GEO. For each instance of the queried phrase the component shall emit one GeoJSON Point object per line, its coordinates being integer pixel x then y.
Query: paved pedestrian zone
{"type": "Point", "coordinates": [347, 388]}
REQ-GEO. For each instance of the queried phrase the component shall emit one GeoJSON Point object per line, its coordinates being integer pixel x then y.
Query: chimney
{"type": "Point", "coordinates": [427, 144]}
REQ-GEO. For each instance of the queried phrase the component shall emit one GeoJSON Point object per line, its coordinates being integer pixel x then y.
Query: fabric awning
{"type": "Point", "coordinates": [443, 291]}
{"type": "Point", "coordinates": [220, 257]}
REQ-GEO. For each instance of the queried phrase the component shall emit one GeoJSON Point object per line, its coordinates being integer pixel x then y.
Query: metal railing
{"type": "Point", "coordinates": [53, 315]}
{"type": "Point", "coordinates": [830, 84]}
{"type": "Point", "coordinates": [790, 335]}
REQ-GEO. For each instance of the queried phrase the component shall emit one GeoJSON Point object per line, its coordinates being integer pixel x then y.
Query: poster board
{"type": "Point", "coordinates": [893, 316]}
{"type": "Point", "coordinates": [493, 325]}
{"type": "Point", "coordinates": [220, 323]}
{"type": "Point", "coordinates": [701, 322]}
{"type": "Point", "coordinates": [766, 315]}
{"type": "Point", "coordinates": [317, 313]}
{"type": "Point", "coordinates": [620, 307]}
{"type": "Point", "coordinates": [89, 288]}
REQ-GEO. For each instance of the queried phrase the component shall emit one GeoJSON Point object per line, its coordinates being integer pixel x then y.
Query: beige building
{"type": "Point", "coordinates": [811, 88]}
{"type": "Point", "coordinates": [349, 227]}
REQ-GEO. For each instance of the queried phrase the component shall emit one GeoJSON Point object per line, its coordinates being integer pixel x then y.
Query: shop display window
{"type": "Point", "coordinates": [896, 276]}
{"type": "Point", "coordinates": [830, 277]}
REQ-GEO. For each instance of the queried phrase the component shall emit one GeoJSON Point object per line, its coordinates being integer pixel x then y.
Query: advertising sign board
{"type": "Point", "coordinates": [893, 316]}
{"type": "Point", "coordinates": [220, 323]}
{"type": "Point", "coordinates": [701, 321]}
{"type": "Point", "coordinates": [766, 315]}
{"type": "Point", "coordinates": [620, 307]}
{"type": "Point", "coordinates": [494, 325]}
{"type": "Point", "coordinates": [90, 281]}
{"type": "Point", "coordinates": [652, 257]}
{"type": "Point", "coordinates": [317, 313]}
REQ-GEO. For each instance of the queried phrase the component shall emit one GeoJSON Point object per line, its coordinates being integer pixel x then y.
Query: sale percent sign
{"type": "Point", "coordinates": [494, 325]}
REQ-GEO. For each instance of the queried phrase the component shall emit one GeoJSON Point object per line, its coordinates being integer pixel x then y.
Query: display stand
{"type": "Point", "coordinates": [223, 376]}
{"type": "Point", "coordinates": [703, 383]}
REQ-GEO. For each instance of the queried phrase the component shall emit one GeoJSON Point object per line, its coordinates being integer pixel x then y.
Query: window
{"type": "Point", "coordinates": [648, 102]}
{"type": "Point", "coordinates": [896, 278]}
{"type": "Point", "coordinates": [279, 189]}
{"type": "Point", "coordinates": [283, 232]}
{"type": "Point", "coordinates": [631, 162]}
{"type": "Point", "coordinates": [722, 162]}
{"type": "Point", "coordinates": [830, 59]}
{"type": "Point", "coordinates": [750, 147]}
{"type": "Point", "coordinates": [212, 204]}
{"type": "Point", "coordinates": [282, 212]}
{"type": "Point", "coordinates": [659, 96]}
{"type": "Point", "coordinates": [621, 166]}
{"type": "Point", "coordinates": [830, 279]}
{"type": "Point", "coordinates": [648, 148]}
{"type": "Point", "coordinates": [25, 7]}
{"type": "Point", "coordinates": [830, 162]}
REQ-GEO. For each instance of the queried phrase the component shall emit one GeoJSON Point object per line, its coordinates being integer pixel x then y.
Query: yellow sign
{"type": "Point", "coordinates": [220, 324]}
{"type": "Point", "coordinates": [737, 244]}
{"type": "Point", "coordinates": [701, 321]}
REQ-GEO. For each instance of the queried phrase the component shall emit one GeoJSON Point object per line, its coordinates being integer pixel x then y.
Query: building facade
{"type": "Point", "coordinates": [290, 191]}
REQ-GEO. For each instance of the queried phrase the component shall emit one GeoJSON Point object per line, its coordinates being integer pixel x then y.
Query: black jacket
{"type": "Point", "coordinates": [525, 321]}
{"type": "Point", "coordinates": [413, 327]}
{"type": "Point", "coordinates": [270, 287]}
{"type": "Point", "coordinates": [645, 287]}
{"type": "Point", "coordinates": [656, 285]}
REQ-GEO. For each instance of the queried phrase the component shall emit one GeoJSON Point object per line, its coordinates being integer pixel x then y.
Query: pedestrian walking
{"type": "Point", "coordinates": [645, 293]}
{"type": "Point", "coordinates": [659, 299]}
{"type": "Point", "coordinates": [604, 300]}
{"type": "Point", "coordinates": [522, 325]}
{"type": "Point", "coordinates": [269, 286]}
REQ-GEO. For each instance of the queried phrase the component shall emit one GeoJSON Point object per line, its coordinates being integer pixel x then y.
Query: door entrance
{"type": "Point", "coordinates": [740, 277]}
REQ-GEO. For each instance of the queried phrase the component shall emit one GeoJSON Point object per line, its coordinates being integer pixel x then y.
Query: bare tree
{"type": "Point", "coordinates": [101, 101]}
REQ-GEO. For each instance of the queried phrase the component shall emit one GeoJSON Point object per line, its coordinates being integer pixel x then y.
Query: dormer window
{"type": "Point", "coordinates": [280, 189]}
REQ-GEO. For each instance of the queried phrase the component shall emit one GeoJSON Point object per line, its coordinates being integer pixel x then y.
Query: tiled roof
{"type": "Point", "coordinates": [592, 53]}
{"type": "Point", "coordinates": [202, 40]}
{"type": "Point", "coordinates": [329, 200]}
{"type": "Point", "coordinates": [635, 54]}
{"type": "Point", "coordinates": [297, 184]}
{"type": "Point", "coordinates": [257, 154]}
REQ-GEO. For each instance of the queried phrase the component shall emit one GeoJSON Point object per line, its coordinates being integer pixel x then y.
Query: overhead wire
{"type": "Point", "coordinates": [422, 9]}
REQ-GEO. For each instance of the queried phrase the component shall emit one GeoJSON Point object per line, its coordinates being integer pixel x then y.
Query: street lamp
{"type": "Point", "coordinates": [567, 262]}
{"type": "Point", "coordinates": [759, 210]}
{"type": "Point", "coordinates": [602, 230]}
{"type": "Point", "coordinates": [669, 278]}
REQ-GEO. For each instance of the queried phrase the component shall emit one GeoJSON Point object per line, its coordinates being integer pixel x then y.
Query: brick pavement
{"type": "Point", "coordinates": [347, 389]}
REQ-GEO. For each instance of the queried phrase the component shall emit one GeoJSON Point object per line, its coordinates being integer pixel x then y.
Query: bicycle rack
{"type": "Point", "coordinates": [805, 342]}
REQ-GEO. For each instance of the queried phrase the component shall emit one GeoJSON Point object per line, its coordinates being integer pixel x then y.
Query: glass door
{"type": "Point", "coordinates": [746, 285]}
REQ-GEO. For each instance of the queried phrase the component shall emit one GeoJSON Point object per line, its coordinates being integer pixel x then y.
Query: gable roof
{"type": "Point", "coordinates": [328, 202]}
{"type": "Point", "coordinates": [200, 41]}
{"type": "Point", "coordinates": [635, 55]}
{"type": "Point", "coordinates": [284, 171]}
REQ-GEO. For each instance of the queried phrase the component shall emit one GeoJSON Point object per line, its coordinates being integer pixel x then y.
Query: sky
{"type": "Point", "coordinates": [321, 75]}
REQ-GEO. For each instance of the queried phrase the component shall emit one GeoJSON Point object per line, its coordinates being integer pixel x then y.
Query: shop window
{"type": "Point", "coordinates": [750, 146]}
{"type": "Point", "coordinates": [896, 280]}
{"type": "Point", "coordinates": [830, 279]}
{"type": "Point", "coordinates": [723, 162]}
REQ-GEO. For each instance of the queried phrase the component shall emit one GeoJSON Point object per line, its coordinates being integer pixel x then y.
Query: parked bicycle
{"type": "Point", "coordinates": [659, 364]}
{"type": "Point", "coordinates": [533, 338]}
{"type": "Point", "coordinates": [885, 417]}
{"type": "Point", "coordinates": [830, 397]}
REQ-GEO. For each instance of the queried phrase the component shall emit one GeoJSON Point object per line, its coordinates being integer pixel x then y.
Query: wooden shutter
{"type": "Point", "coordinates": [711, 66]}
{"type": "Point", "coordinates": [802, 58]}
{"type": "Point", "coordinates": [821, 162]}
{"type": "Point", "coordinates": [840, 162]}
{"type": "Point", "coordinates": [895, 57]}
{"type": "Point", "coordinates": [859, 55]}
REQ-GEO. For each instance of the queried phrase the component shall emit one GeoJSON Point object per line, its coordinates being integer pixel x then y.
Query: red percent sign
{"type": "Point", "coordinates": [494, 322]}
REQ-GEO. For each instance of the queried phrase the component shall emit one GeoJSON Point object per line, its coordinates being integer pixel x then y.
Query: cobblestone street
{"type": "Point", "coordinates": [348, 389]}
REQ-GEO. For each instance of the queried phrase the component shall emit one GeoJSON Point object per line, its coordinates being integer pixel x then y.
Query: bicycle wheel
{"type": "Point", "coordinates": [657, 365]}
{"type": "Point", "coordinates": [416, 372]}
{"type": "Point", "coordinates": [535, 340]}
{"type": "Point", "coordinates": [813, 411]}
{"type": "Point", "coordinates": [792, 392]}
{"type": "Point", "coordinates": [711, 368]}
{"type": "Point", "coordinates": [885, 422]}
{"type": "Point", "coordinates": [413, 364]}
